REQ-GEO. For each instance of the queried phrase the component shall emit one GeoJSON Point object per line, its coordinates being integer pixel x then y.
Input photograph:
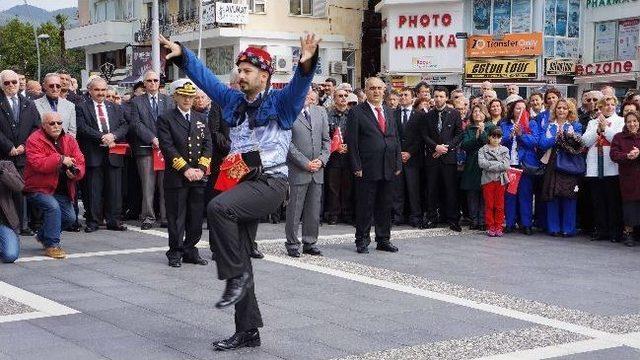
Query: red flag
{"type": "Point", "coordinates": [524, 122]}
{"type": "Point", "coordinates": [514, 176]}
{"type": "Point", "coordinates": [158, 160]}
{"type": "Point", "coordinates": [336, 141]}
{"type": "Point", "coordinates": [119, 149]}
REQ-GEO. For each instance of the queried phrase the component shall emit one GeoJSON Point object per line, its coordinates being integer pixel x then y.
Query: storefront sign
{"type": "Point", "coordinates": [591, 4]}
{"type": "Point", "coordinates": [232, 13]}
{"type": "Point", "coordinates": [606, 68]}
{"type": "Point", "coordinates": [557, 67]}
{"type": "Point", "coordinates": [442, 79]}
{"type": "Point", "coordinates": [524, 44]}
{"type": "Point", "coordinates": [501, 69]}
{"type": "Point", "coordinates": [421, 38]}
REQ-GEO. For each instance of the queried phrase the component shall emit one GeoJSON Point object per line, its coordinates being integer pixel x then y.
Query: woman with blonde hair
{"type": "Point", "coordinates": [602, 172]}
{"type": "Point", "coordinates": [562, 141]}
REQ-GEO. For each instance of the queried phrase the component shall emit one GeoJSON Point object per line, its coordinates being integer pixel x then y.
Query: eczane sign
{"type": "Point", "coordinates": [422, 38]}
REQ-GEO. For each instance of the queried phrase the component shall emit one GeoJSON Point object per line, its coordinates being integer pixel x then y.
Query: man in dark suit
{"type": "Point", "coordinates": [145, 110]}
{"type": "Point", "coordinates": [439, 132]}
{"type": "Point", "coordinates": [100, 125]}
{"type": "Point", "coordinates": [185, 142]}
{"type": "Point", "coordinates": [408, 184]}
{"type": "Point", "coordinates": [374, 151]}
{"type": "Point", "coordinates": [19, 117]}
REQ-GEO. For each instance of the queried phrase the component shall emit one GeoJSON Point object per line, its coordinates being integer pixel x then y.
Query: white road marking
{"type": "Point", "coordinates": [44, 307]}
{"type": "Point", "coordinates": [548, 352]}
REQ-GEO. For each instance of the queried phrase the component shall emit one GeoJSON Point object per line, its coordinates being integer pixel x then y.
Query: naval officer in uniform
{"type": "Point", "coordinates": [185, 143]}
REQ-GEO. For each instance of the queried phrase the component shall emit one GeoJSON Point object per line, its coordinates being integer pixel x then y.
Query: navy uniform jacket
{"type": "Point", "coordinates": [184, 145]}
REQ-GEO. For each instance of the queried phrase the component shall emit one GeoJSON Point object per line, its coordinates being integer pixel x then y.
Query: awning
{"type": "Point", "coordinates": [130, 80]}
{"type": "Point", "coordinates": [595, 79]}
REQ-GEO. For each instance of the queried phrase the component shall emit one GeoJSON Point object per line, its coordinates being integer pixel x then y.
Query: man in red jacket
{"type": "Point", "coordinates": [54, 166]}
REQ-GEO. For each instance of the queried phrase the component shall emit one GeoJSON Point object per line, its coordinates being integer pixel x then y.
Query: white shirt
{"type": "Point", "coordinates": [409, 109]}
{"type": "Point", "coordinates": [184, 114]}
{"type": "Point", "coordinates": [373, 108]}
{"type": "Point", "coordinates": [106, 115]}
{"type": "Point", "coordinates": [150, 97]}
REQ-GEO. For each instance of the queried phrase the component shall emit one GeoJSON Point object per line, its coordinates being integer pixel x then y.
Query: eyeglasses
{"type": "Point", "coordinates": [591, 100]}
{"type": "Point", "coordinates": [54, 86]}
{"type": "Point", "coordinates": [152, 80]}
{"type": "Point", "coordinates": [52, 123]}
{"type": "Point", "coordinates": [9, 82]}
{"type": "Point", "coordinates": [343, 95]}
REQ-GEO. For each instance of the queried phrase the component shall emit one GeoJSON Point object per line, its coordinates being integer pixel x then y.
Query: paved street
{"type": "Point", "coordinates": [444, 296]}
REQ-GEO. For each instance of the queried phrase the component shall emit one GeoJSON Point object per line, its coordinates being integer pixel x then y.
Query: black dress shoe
{"type": "Point", "coordinates": [429, 224]}
{"type": "Point", "coordinates": [527, 230]}
{"type": "Point", "coordinates": [91, 228]}
{"type": "Point", "coordinates": [362, 249]}
{"type": "Point", "coordinates": [235, 290]}
{"type": "Point", "coordinates": [256, 254]}
{"type": "Point", "coordinates": [554, 234]}
{"type": "Point", "coordinates": [474, 227]}
{"type": "Point", "coordinates": [455, 227]}
{"type": "Point", "coordinates": [27, 232]}
{"type": "Point", "coordinates": [332, 221]}
{"type": "Point", "coordinates": [117, 227]}
{"type": "Point", "coordinates": [196, 260]}
{"type": "Point", "coordinates": [293, 253]}
{"type": "Point", "coordinates": [146, 226]}
{"type": "Point", "coordinates": [508, 229]}
{"type": "Point", "coordinates": [239, 340]}
{"type": "Point", "coordinates": [389, 247]}
{"type": "Point", "coordinates": [312, 251]}
{"type": "Point", "coordinates": [176, 263]}
{"type": "Point", "coordinates": [74, 228]}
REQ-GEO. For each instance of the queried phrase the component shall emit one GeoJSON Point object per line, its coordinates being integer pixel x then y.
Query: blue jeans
{"type": "Point", "coordinates": [9, 244]}
{"type": "Point", "coordinates": [57, 214]}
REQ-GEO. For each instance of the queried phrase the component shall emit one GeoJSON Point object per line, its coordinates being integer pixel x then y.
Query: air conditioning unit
{"type": "Point", "coordinates": [282, 64]}
{"type": "Point", "coordinates": [338, 67]}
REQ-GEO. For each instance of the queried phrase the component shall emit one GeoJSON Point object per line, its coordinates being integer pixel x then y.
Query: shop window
{"type": "Point", "coordinates": [561, 28]}
{"type": "Point", "coordinates": [220, 59]}
{"type": "Point", "coordinates": [616, 40]}
{"type": "Point", "coordinates": [501, 16]}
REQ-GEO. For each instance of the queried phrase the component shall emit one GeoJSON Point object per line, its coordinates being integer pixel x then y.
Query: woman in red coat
{"type": "Point", "coordinates": [625, 150]}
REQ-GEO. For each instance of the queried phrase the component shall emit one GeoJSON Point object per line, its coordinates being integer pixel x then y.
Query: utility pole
{"type": "Point", "coordinates": [200, 31]}
{"type": "Point", "coordinates": [155, 36]}
{"type": "Point", "coordinates": [35, 37]}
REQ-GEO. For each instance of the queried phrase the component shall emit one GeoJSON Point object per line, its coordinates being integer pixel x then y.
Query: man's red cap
{"type": "Point", "coordinates": [256, 57]}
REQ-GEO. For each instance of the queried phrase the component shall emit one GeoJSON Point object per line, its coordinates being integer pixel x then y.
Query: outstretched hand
{"type": "Point", "coordinates": [308, 46]}
{"type": "Point", "coordinates": [174, 49]}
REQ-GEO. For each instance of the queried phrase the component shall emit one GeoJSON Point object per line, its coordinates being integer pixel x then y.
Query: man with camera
{"type": "Point", "coordinates": [54, 165]}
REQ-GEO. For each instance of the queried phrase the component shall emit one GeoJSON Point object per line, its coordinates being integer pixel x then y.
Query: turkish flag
{"type": "Point", "coordinates": [119, 149]}
{"type": "Point", "coordinates": [158, 160]}
{"type": "Point", "coordinates": [336, 140]}
{"type": "Point", "coordinates": [514, 176]}
{"type": "Point", "coordinates": [524, 122]}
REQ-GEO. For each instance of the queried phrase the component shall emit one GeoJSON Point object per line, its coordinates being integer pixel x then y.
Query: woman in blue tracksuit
{"type": "Point", "coordinates": [521, 138]}
{"type": "Point", "coordinates": [559, 190]}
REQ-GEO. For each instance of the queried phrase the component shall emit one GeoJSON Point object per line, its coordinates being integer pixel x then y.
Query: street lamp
{"type": "Point", "coordinates": [38, 38]}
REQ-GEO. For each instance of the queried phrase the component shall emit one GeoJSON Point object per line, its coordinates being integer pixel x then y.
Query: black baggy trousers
{"type": "Point", "coordinates": [233, 217]}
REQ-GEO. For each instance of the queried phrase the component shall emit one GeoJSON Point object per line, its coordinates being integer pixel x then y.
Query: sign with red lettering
{"type": "Point", "coordinates": [607, 67]}
{"type": "Point", "coordinates": [421, 38]}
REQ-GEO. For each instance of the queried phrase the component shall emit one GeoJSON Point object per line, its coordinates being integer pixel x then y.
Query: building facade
{"type": "Point", "coordinates": [118, 32]}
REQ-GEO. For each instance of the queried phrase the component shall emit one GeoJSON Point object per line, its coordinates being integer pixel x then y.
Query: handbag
{"type": "Point", "coordinates": [570, 164]}
{"type": "Point", "coordinates": [533, 170]}
{"type": "Point", "coordinates": [236, 168]}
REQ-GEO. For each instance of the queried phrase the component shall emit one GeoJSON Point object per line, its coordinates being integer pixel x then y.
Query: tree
{"type": "Point", "coordinates": [18, 49]}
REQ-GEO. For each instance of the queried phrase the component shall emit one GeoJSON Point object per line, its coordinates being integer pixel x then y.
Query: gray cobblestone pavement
{"type": "Point", "coordinates": [443, 296]}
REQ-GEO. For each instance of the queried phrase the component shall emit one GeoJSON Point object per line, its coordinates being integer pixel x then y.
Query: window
{"type": "Point", "coordinates": [616, 40]}
{"type": "Point", "coordinates": [220, 59]}
{"type": "Point", "coordinates": [501, 16]}
{"type": "Point", "coordinates": [257, 6]}
{"type": "Point", "coordinates": [561, 28]}
{"type": "Point", "coordinates": [188, 10]}
{"type": "Point", "coordinates": [315, 8]}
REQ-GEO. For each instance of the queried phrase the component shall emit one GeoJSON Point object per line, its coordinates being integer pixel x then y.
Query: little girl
{"type": "Point", "coordinates": [493, 159]}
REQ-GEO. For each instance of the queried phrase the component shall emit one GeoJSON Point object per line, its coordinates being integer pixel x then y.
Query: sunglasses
{"type": "Point", "coordinates": [590, 100]}
{"type": "Point", "coordinates": [7, 83]}
{"type": "Point", "coordinates": [52, 123]}
{"type": "Point", "coordinates": [54, 86]}
{"type": "Point", "coordinates": [152, 80]}
{"type": "Point", "coordinates": [343, 95]}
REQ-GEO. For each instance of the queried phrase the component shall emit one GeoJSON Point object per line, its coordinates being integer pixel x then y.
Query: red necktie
{"type": "Point", "coordinates": [103, 120]}
{"type": "Point", "coordinates": [381, 124]}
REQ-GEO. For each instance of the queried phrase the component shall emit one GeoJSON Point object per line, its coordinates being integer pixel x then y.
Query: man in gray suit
{"type": "Point", "coordinates": [52, 102]}
{"type": "Point", "coordinates": [145, 110]}
{"type": "Point", "coordinates": [308, 154]}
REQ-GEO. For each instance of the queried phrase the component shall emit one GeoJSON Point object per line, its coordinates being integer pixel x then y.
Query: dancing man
{"type": "Point", "coordinates": [260, 121]}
